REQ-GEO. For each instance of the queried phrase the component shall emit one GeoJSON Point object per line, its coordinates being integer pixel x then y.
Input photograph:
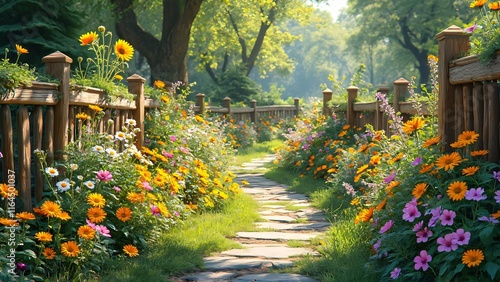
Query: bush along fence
{"type": "Point", "coordinates": [253, 114]}
{"type": "Point", "coordinates": [50, 111]}
{"type": "Point", "coordinates": [468, 98]}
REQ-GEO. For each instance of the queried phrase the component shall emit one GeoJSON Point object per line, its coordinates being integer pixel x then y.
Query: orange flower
{"type": "Point", "coordinates": [432, 141]}
{"type": "Point", "coordinates": [96, 215]}
{"type": "Point", "coordinates": [478, 3]}
{"type": "Point", "coordinates": [425, 168]}
{"type": "Point", "coordinates": [86, 232]}
{"type": "Point", "coordinates": [495, 6]}
{"type": "Point", "coordinates": [364, 215]}
{"type": "Point", "coordinates": [159, 84]}
{"type": "Point", "coordinates": [458, 144]}
{"type": "Point", "coordinates": [123, 50]}
{"type": "Point", "coordinates": [413, 125]}
{"type": "Point", "coordinates": [43, 236]}
{"type": "Point", "coordinates": [496, 215]}
{"type": "Point", "coordinates": [5, 190]}
{"type": "Point", "coordinates": [381, 205]}
{"type": "Point", "coordinates": [419, 190]}
{"type": "Point", "coordinates": [375, 160]}
{"type": "Point", "coordinates": [25, 216]}
{"type": "Point", "coordinates": [50, 209]}
{"type": "Point", "coordinates": [469, 171]}
{"type": "Point", "coordinates": [64, 216]}
{"type": "Point", "coordinates": [473, 258]}
{"type": "Point", "coordinates": [124, 214]}
{"type": "Point", "coordinates": [456, 190]}
{"type": "Point", "coordinates": [362, 169]}
{"type": "Point", "coordinates": [448, 161]}
{"type": "Point", "coordinates": [88, 38]}
{"type": "Point", "coordinates": [8, 222]}
{"type": "Point", "coordinates": [130, 250]}
{"type": "Point", "coordinates": [468, 137]}
{"type": "Point", "coordinates": [70, 249]}
{"type": "Point", "coordinates": [49, 253]}
{"type": "Point", "coordinates": [21, 50]}
{"type": "Point", "coordinates": [135, 197]}
{"type": "Point", "coordinates": [479, 153]}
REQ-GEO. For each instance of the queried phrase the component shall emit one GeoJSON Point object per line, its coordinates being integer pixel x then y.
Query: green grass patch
{"type": "Point", "coordinates": [297, 244]}
{"type": "Point", "coordinates": [298, 184]}
{"type": "Point", "coordinates": [258, 150]}
{"type": "Point", "coordinates": [181, 249]}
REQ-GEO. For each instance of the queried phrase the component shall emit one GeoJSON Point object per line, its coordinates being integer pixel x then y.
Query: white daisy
{"type": "Point", "coordinates": [98, 148]}
{"type": "Point", "coordinates": [112, 152]}
{"type": "Point", "coordinates": [120, 135]}
{"type": "Point", "coordinates": [73, 167]}
{"type": "Point", "coordinates": [89, 184]}
{"type": "Point", "coordinates": [63, 185]}
{"type": "Point", "coordinates": [131, 122]}
{"type": "Point", "coordinates": [52, 171]}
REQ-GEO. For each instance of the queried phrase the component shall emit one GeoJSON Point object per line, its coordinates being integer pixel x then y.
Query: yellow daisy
{"type": "Point", "coordinates": [123, 50]}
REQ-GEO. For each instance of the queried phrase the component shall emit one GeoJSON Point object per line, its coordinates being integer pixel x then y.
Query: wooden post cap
{"type": "Point", "coordinates": [57, 57]}
{"type": "Point", "coordinates": [136, 77]}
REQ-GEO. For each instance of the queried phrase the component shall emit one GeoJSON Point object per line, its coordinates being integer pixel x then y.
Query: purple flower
{"type": "Point", "coordinates": [1, 155]}
{"type": "Point", "coordinates": [21, 266]}
{"type": "Point", "coordinates": [104, 175]}
{"type": "Point", "coordinates": [147, 186]}
{"type": "Point", "coordinates": [462, 237]}
{"type": "Point", "coordinates": [349, 189]}
{"type": "Point", "coordinates": [386, 226]}
{"type": "Point", "coordinates": [395, 273]}
{"type": "Point", "coordinates": [417, 161]}
{"type": "Point", "coordinates": [410, 212]}
{"type": "Point", "coordinates": [497, 196]}
{"type": "Point", "coordinates": [155, 210]}
{"type": "Point", "coordinates": [448, 243]}
{"type": "Point", "coordinates": [447, 217]}
{"type": "Point", "coordinates": [488, 219]}
{"type": "Point", "coordinates": [173, 138]}
{"type": "Point", "coordinates": [117, 189]}
{"type": "Point", "coordinates": [418, 226]}
{"type": "Point", "coordinates": [377, 245]}
{"type": "Point", "coordinates": [475, 194]}
{"type": "Point", "coordinates": [390, 178]}
{"type": "Point", "coordinates": [471, 28]}
{"type": "Point", "coordinates": [436, 213]}
{"type": "Point", "coordinates": [496, 175]}
{"type": "Point", "coordinates": [423, 235]}
{"type": "Point", "coordinates": [305, 147]}
{"type": "Point", "coordinates": [422, 261]}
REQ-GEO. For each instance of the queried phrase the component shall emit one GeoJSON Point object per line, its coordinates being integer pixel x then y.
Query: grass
{"type": "Point", "coordinates": [258, 150]}
{"type": "Point", "coordinates": [181, 249]}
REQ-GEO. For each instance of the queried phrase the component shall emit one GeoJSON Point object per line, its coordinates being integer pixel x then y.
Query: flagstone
{"type": "Point", "coordinates": [277, 235]}
{"type": "Point", "coordinates": [273, 277]}
{"type": "Point", "coordinates": [270, 252]}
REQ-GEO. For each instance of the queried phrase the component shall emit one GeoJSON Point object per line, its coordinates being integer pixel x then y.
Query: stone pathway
{"type": "Point", "coordinates": [288, 216]}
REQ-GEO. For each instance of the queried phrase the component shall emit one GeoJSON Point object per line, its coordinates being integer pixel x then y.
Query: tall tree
{"type": "Point", "coordinates": [166, 56]}
{"type": "Point", "coordinates": [413, 26]}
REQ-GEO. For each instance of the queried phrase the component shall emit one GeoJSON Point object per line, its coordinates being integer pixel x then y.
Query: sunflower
{"type": "Point", "coordinates": [124, 214]}
{"type": "Point", "coordinates": [478, 3]}
{"type": "Point", "coordinates": [495, 6]}
{"type": "Point", "coordinates": [64, 216]}
{"type": "Point", "coordinates": [469, 171]}
{"type": "Point", "coordinates": [21, 50]}
{"type": "Point", "coordinates": [130, 250]}
{"type": "Point", "coordinates": [96, 200]}
{"type": "Point", "coordinates": [95, 108]}
{"type": "Point", "coordinates": [135, 197]}
{"type": "Point", "coordinates": [448, 161]}
{"type": "Point", "coordinates": [70, 249]}
{"type": "Point", "coordinates": [25, 216]}
{"type": "Point", "coordinates": [43, 236]}
{"type": "Point", "coordinates": [419, 190]}
{"type": "Point", "coordinates": [479, 153]}
{"type": "Point", "coordinates": [362, 169]}
{"type": "Point", "coordinates": [472, 258]}
{"type": "Point", "coordinates": [123, 50]}
{"type": "Point", "coordinates": [432, 141]}
{"type": "Point", "coordinates": [51, 209]}
{"type": "Point", "coordinates": [96, 215]}
{"type": "Point", "coordinates": [86, 232]}
{"type": "Point", "coordinates": [468, 137]}
{"type": "Point", "coordinates": [413, 125]}
{"type": "Point", "coordinates": [159, 84]}
{"type": "Point", "coordinates": [375, 160]}
{"type": "Point", "coordinates": [88, 38]}
{"type": "Point", "coordinates": [456, 190]}
{"type": "Point", "coordinates": [49, 253]}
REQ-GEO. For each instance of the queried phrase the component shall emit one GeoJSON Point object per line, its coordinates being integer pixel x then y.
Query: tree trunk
{"type": "Point", "coordinates": [167, 56]}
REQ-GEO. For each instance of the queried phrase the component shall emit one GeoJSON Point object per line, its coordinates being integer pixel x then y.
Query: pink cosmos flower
{"type": "Point", "coordinates": [103, 230]}
{"type": "Point", "coordinates": [184, 150]}
{"type": "Point", "coordinates": [155, 210]}
{"type": "Point", "coordinates": [462, 237]}
{"type": "Point", "coordinates": [377, 245]}
{"type": "Point", "coordinates": [410, 212]}
{"type": "Point", "coordinates": [422, 261]}
{"type": "Point", "coordinates": [173, 138]}
{"type": "Point", "coordinates": [489, 219]}
{"type": "Point", "coordinates": [471, 28]}
{"type": "Point", "coordinates": [1, 155]}
{"type": "Point", "coordinates": [386, 226]}
{"type": "Point", "coordinates": [436, 213]}
{"type": "Point", "coordinates": [475, 194]}
{"type": "Point", "coordinates": [447, 217]}
{"type": "Point", "coordinates": [390, 178]}
{"type": "Point", "coordinates": [423, 235]}
{"type": "Point", "coordinates": [117, 189]}
{"type": "Point", "coordinates": [416, 161]}
{"type": "Point", "coordinates": [167, 155]}
{"type": "Point", "coordinates": [418, 226]}
{"type": "Point", "coordinates": [395, 273]}
{"type": "Point", "coordinates": [90, 224]}
{"type": "Point", "coordinates": [147, 186]}
{"type": "Point", "coordinates": [104, 175]}
{"type": "Point", "coordinates": [448, 243]}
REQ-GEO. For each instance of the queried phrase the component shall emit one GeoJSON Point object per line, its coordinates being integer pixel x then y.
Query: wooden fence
{"type": "Point", "coordinates": [252, 114]}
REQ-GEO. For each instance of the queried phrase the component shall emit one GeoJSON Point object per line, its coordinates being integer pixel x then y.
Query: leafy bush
{"type": "Point", "coordinates": [13, 75]}
{"type": "Point", "coordinates": [485, 40]}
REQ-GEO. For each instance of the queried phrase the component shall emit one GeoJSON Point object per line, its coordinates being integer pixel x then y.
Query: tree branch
{"type": "Point", "coordinates": [241, 40]}
{"type": "Point", "coordinates": [264, 26]}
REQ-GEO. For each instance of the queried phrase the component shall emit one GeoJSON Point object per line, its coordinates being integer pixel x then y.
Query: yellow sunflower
{"type": "Point", "coordinates": [43, 236]}
{"type": "Point", "coordinates": [473, 258]}
{"type": "Point", "coordinates": [123, 50]}
{"type": "Point", "coordinates": [448, 161]}
{"type": "Point", "coordinates": [495, 6]}
{"type": "Point", "coordinates": [135, 197]}
{"type": "Point", "coordinates": [64, 216]}
{"type": "Point", "coordinates": [478, 4]}
{"type": "Point", "coordinates": [413, 125]}
{"type": "Point", "coordinates": [86, 232]}
{"type": "Point", "coordinates": [432, 141]}
{"type": "Point", "coordinates": [96, 200]}
{"type": "Point", "coordinates": [82, 116]}
{"type": "Point", "coordinates": [49, 253]}
{"type": "Point", "coordinates": [51, 209]}
{"type": "Point", "coordinates": [419, 190]}
{"type": "Point", "coordinates": [25, 216]}
{"type": "Point", "coordinates": [124, 214]}
{"type": "Point", "coordinates": [469, 171]}
{"type": "Point", "coordinates": [362, 169]}
{"type": "Point", "coordinates": [456, 190]}
{"type": "Point", "coordinates": [130, 250]}
{"type": "Point", "coordinates": [159, 84]}
{"type": "Point", "coordinates": [96, 215]}
{"type": "Point", "coordinates": [21, 50]}
{"type": "Point", "coordinates": [468, 137]}
{"type": "Point", "coordinates": [88, 38]}
{"type": "Point", "coordinates": [70, 249]}
{"type": "Point", "coordinates": [95, 108]}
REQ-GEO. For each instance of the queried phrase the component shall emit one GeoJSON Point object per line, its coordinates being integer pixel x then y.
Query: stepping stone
{"type": "Point", "coordinates": [303, 205]}
{"type": "Point", "coordinates": [279, 218]}
{"type": "Point", "coordinates": [270, 252]}
{"type": "Point", "coordinates": [210, 276]}
{"type": "Point", "coordinates": [234, 263]}
{"type": "Point", "coordinates": [273, 277]}
{"type": "Point", "coordinates": [277, 235]}
{"type": "Point", "coordinates": [272, 207]}
{"type": "Point", "coordinates": [293, 226]}
{"type": "Point", "coordinates": [275, 211]}
{"type": "Point", "coordinates": [300, 197]}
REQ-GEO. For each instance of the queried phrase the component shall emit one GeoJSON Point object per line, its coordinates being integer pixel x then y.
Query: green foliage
{"type": "Point", "coordinates": [485, 39]}
{"type": "Point", "coordinates": [13, 75]}
{"type": "Point", "coordinates": [236, 85]}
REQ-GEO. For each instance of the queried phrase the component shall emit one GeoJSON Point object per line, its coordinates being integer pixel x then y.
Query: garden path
{"type": "Point", "coordinates": [289, 218]}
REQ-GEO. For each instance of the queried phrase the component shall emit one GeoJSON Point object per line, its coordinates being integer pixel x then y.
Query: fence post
{"type": "Point", "coordinates": [253, 116]}
{"type": "Point", "coordinates": [400, 89]}
{"type": "Point", "coordinates": [327, 97]}
{"type": "Point", "coordinates": [226, 103]}
{"type": "Point", "coordinates": [352, 94]}
{"type": "Point", "coordinates": [378, 113]}
{"type": "Point", "coordinates": [136, 86]}
{"type": "Point", "coordinates": [23, 174]}
{"type": "Point", "coordinates": [58, 64]}
{"type": "Point", "coordinates": [201, 102]}
{"type": "Point", "coordinates": [297, 107]}
{"type": "Point", "coordinates": [453, 42]}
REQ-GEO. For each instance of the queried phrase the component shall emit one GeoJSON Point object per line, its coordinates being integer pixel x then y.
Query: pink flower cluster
{"type": "Point", "coordinates": [410, 212]}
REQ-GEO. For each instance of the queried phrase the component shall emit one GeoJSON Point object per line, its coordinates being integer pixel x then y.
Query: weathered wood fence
{"type": "Point", "coordinates": [253, 114]}
{"type": "Point", "coordinates": [468, 98]}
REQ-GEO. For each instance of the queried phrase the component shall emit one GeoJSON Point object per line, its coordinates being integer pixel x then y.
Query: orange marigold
{"type": "Point", "coordinates": [448, 161]}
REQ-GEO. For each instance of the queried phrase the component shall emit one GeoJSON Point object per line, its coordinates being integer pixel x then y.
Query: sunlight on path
{"type": "Point", "coordinates": [288, 218]}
